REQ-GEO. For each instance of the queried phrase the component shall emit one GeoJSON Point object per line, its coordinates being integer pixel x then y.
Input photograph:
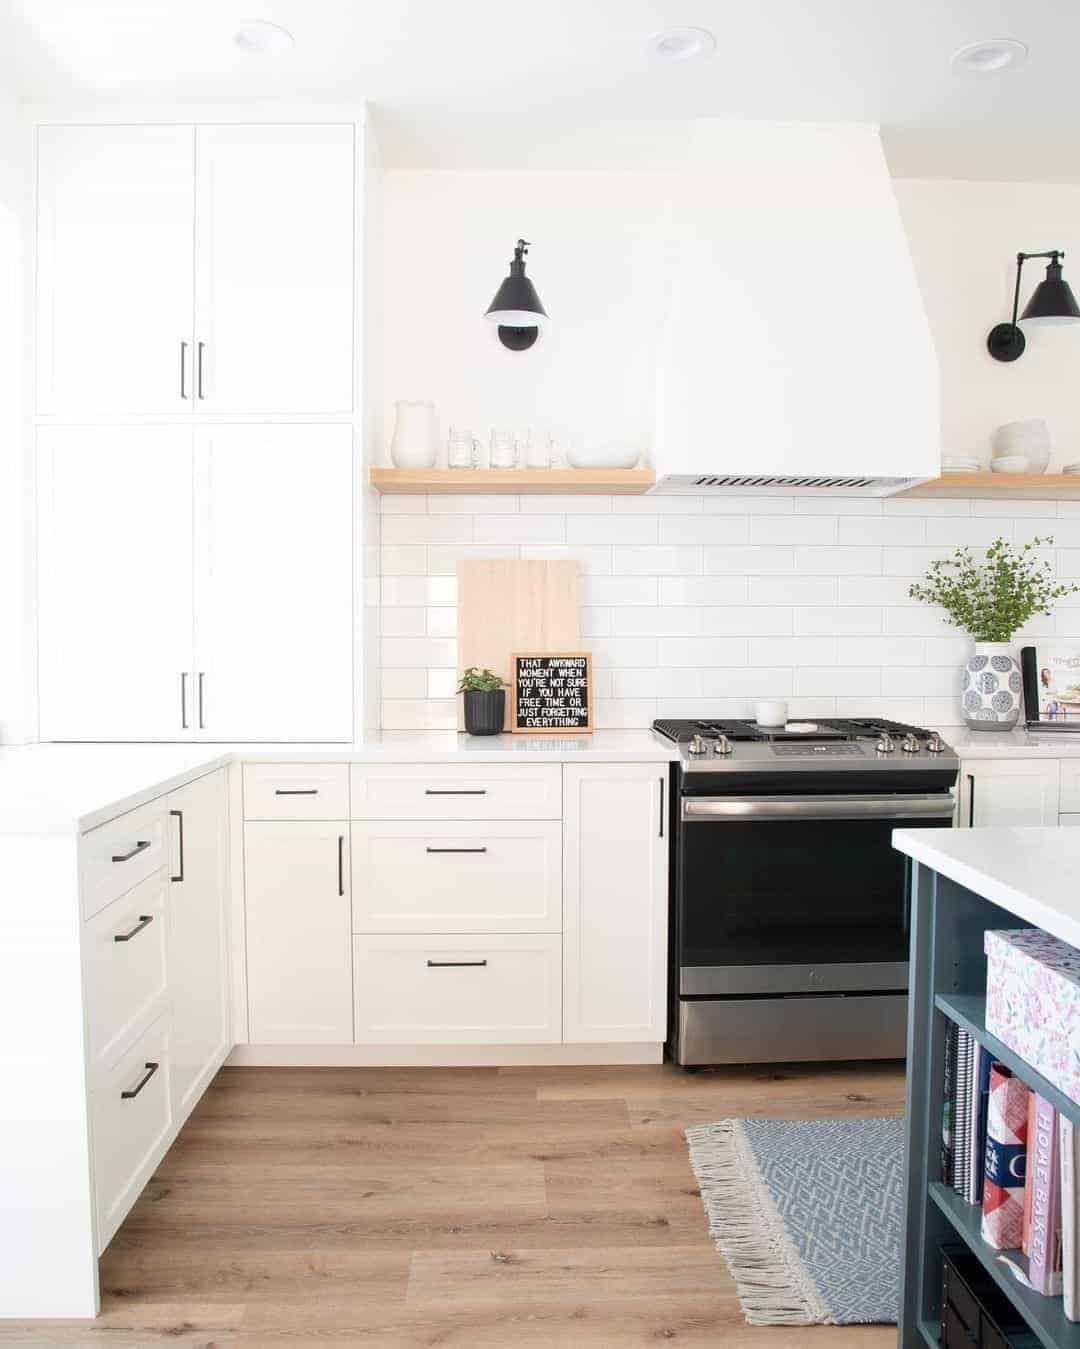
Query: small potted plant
{"type": "Point", "coordinates": [485, 701]}
{"type": "Point", "coordinates": [992, 600]}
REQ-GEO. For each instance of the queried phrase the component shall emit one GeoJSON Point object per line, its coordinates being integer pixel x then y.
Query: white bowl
{"type": "Point", "coordinates": [1011, 463]}
{"type": "Point", "coordinates": [1030, 438]}
{"type": "Point", "coordinates": [602, 456]}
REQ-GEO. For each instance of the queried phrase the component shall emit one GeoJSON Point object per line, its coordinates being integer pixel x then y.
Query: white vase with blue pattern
{"type": "Point", "coordinates": [991, 688]}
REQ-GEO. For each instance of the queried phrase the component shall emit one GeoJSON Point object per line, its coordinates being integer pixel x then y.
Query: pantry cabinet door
{"type": "Point", "coordinates": [114, 583]}
{"type": "Point", "coordinates": [273, 583]}
{"type": "Point", "coordinates": [615, 902]}
{"type": "Point", "coordinates": [299, 932]}
{"type": "Point", "coordinates": [1016, 792]}
{"type": "Point", "coordinates": [116, 221]}
{"type": "Point", "coordinates": [275, 269]}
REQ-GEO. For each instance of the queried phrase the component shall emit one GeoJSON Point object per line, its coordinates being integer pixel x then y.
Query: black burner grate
{"type": "Point", "coordinates": [826, 728]}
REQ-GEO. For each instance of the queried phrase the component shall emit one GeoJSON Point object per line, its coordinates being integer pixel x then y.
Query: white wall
{"type": "Point", "coordinates": [698, 606]}
{"type": "Point", "coordinates": [597, 262]}
{"type": "Point", "coordinates": [964, 239]}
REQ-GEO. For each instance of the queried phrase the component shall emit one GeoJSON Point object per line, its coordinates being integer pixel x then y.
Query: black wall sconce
{"type": "Point", "coordinates": [516, 307]}
{"type": "Point", "coordinates": [1052, 301]}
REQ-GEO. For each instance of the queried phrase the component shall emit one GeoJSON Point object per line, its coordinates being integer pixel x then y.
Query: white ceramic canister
{"type": "Point", "coordinates": [415, 442]}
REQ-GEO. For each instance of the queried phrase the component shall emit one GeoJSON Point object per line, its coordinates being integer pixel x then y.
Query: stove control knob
{"type": "Point", "coordinates": [935, 745]}
{"type": "Point", "coordinates": [885, 745]}
{"type": "Point", "coordinates": [723, 745]}
{"type": "Point", "coordinates": [698, 745]}
{"type": "Point", "coordinates": [910, 743]}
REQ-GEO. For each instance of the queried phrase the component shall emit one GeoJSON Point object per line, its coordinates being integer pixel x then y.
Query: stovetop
{"type": "Point", "coordinates": [857, 746]}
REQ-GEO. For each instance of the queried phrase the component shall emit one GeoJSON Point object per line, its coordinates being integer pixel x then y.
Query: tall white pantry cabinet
{"type": "Point", "coordinates": [196, 407]}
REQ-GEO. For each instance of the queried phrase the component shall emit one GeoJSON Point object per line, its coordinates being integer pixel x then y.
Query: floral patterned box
{"type": "Point", "coordinates": [1033, 1002]}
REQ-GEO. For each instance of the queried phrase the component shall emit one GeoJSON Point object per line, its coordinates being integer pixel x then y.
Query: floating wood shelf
{"type": "Point", "coordinates": [514, 481]}
{"type": "Point", "coordinates": [1030, 486]}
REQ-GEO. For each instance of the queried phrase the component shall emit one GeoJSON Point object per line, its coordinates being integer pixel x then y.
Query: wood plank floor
{"type": "Point", "coordinates": [459, 1208]}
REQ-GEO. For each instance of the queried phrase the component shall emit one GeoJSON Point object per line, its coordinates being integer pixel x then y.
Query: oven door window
{"type": "Point", "coordinates": [798, 892]}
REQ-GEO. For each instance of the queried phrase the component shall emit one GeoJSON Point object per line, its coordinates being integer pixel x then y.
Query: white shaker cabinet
{"type": "Point", "coordinates": [274, 269]}
{"type": "Point", "coordinates": [115, 253]}
{"type": "Point", "coordinates": [299, 932]}
{"type": "Point", "coordinates": [198, 976]}
{"type": "Point", "coordinates": [273, 583]}
{"type": "Point", "coordinates": [1016, 792]}
{"type": "Point", "coordinates": [615, 886]}
{"type": "Point", "coordinates": [114, 583]}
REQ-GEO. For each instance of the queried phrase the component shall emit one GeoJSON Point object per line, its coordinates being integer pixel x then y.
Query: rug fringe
{"type": "Point", "coordinates": [774, 1287]}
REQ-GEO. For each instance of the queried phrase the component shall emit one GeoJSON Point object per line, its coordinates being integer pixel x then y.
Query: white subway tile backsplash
{"type": "Point", "coordinates": [696, 606]}
{"type": "Point", "coordinates": [520, 528]}
{"type": "Point", "coordinates": [792, 529]}
{"type": "Point", "coordinates": [591, 529]}
{"type": "Point", "coordinates": [405, 529]}
{"type": "Point", "coordinates": [656, 561]}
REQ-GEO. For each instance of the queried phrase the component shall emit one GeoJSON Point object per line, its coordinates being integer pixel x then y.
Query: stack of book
{"type": "Point", "coordinates": [1008, 1150]}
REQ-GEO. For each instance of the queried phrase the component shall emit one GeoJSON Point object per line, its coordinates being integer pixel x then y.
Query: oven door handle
{"type": "Point", "coordinates": [938, 807]}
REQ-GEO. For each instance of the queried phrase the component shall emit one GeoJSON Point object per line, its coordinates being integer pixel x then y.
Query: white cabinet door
{"type": "Point", "coordinates": [1014, 792]}
{"type": "Point", "coordinates": [198, 956]}
{"type": "Point", "coordinates": [615, 902]}
{"type": "Point", "coordinates": [116, 221]}
{"type": "Point", "coordinates": [299, 932]}
{"type": "Point", "coordinates": [273, 584]}
{"type": "Point", "coordinates": [114, 583]}
{"type": "Point", "coordinates": [275, 269]}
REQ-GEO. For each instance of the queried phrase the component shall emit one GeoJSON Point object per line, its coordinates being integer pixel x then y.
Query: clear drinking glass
{"type": "Point", "coordinates": [462, 450]}
{"type": "Point", "coordinates": [503, 450]}
{"type": "Point", "coordinates": [540, 450]}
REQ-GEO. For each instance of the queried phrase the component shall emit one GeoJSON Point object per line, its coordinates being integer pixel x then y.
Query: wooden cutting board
{"type": "Point", "coordinates": [506, 605]}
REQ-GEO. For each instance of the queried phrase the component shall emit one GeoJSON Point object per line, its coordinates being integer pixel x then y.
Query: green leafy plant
{"type": "Point", "coordinates": [993, 598]}
{"type": "Point", "coordinates": [474, 679]}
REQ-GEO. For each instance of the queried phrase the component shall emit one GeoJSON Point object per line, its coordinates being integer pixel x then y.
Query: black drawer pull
{"type": "Point", "coordinates": [455, 791]}
{"type": "Point", "coordinates": [296, 791]}
{"type": "Point", "coordinates": [141, 846]}
{"type": "Point", "coordinates": [455, 964]}
{"type": "Point", "coordinates": [151, 1069]}
{"type": "Point", "coordinates": [456, 849]}
{"type": "Point", "coordinates": [145, 919]}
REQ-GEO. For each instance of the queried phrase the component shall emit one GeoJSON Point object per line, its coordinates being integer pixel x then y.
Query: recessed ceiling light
{"type": "Point", "coordinates": [681, 44]}
{"type": "Point", "coordinates": [257, 36]}
{"type": "Point", "coordinates": [987, 58]}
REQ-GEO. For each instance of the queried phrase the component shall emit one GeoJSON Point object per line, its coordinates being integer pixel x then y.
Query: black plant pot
{"type": "Point", "coordinates": [484, 711]}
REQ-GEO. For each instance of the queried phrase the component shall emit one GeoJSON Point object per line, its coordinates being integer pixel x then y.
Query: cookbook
{"type": "Point", "coordinates": [1051, 673]}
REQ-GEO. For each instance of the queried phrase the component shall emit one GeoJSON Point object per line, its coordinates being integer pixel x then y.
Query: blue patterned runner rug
{"type": "Point", "coordinates": [808, 1215]}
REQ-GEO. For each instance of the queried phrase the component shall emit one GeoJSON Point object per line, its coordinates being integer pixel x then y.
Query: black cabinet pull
{"type": "Point", "coordinates": [456, 850]}
{"type": "Point", "coordinates": [179, 814]}
{"type": "Point", "coordinates": [661, 807]}
{"type": "Point", "coordinates": [971, 800]}
{"type": "Point", "coordinates": [455, 791]}
{"type": "Point", "coordinates": [341, 864]}
{"type": "Point", "coordinates": [296, 791]}
{"type": "Point", "coordinates": [145, 919]}
{"type": "Point", "coordinates": [455, 964]}
{"type": "Point", "coordinates": [139, 847]}
{"type": "Point", "coordinates": [151, 1069]}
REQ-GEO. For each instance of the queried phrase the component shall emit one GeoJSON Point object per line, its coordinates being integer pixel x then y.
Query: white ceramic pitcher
{"type": "Point", "coordinates": [415, 442]}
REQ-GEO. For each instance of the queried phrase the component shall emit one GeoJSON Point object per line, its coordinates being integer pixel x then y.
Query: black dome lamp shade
{"type": "Point", "coordinates": [516, 307]}
{"type": "Point", "coordinates": [1052, 301]}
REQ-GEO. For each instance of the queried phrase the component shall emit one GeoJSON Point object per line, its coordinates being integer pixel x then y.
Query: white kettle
{"type": "Point", "coordinates": [415, 441]}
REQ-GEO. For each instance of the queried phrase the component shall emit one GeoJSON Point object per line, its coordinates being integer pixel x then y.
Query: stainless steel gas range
{"type": "Point", "coordinates": [790, 909]}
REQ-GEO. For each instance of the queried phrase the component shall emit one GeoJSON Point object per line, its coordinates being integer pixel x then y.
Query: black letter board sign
{"type": "Point", "coordinates": [551, 693]}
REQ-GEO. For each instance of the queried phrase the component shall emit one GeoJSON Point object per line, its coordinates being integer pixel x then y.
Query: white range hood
{"type": "Point", "coordinates": [796, 354]}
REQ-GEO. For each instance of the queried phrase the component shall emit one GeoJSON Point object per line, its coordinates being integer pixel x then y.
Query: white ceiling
{"type": "Point", "coordinates": [569, 82]}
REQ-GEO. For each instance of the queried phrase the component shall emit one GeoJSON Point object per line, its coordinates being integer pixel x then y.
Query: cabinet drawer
{"type": "Point", "coordinates": [457, 876]}
{"type": "Point", "coordinates": [1070, 785]}
{"type": "Point", "coordinates": [131, 1121]}
{"type": "Point", "coordinates": [277, 791]}
{"type": "Point", "coordinates": [458, 990]}
{"type": "Point", "coordinates": [456, 791]}
{"type": "Point", "coordinates": [118, 855]}
{"type": "Point", "coordinates": [125, 947]}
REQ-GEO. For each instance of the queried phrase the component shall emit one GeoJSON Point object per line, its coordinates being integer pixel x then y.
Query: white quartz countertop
{"type": "Point", "coordinates": [1018, 744]}
{"type": "Point", "coordinates": [1033, 873]}
{"type": "Point", "coordinates": [50, 789]}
